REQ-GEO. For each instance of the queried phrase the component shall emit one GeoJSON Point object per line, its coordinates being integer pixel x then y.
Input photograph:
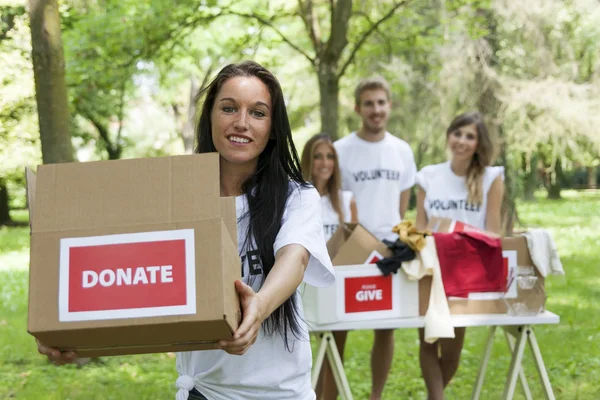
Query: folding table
{"type": "Point", "coordinates": [517, 329]}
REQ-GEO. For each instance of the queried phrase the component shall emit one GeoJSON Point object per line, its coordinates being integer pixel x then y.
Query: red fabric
{"type": "Point", "coordinates": [470, 262]}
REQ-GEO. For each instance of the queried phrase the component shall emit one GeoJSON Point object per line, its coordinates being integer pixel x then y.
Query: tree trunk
{"type": "Point", "coordinates": [592, 183]}
{"type": "Point", "coordinates": [531, 181]}
{"type": "Point", "coordinates": [554, 186]}
{"type": "Point", "coordinates": [489, 105]}
{"type": "Point", "coordinates": [421, 150]}
{"type": "Point", "coordinates": [113, 150]}
{"type": "Point", "coordinates": [50, 87]}
{"type": "Point", "coordinates": [329, 91]}
{"type": "Point", "coordinates": [328, 54]}
{"type": "Point", "coordinates": [187, 133]}
{"type": "Point", "coordinates": [4, 207]}
{"type": "Point", "coordinates": [509, 203]}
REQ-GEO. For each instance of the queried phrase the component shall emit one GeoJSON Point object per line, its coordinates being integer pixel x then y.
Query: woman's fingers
{"type": "Point", "coordinates": [246, 334]}
{"type": "Point", "coordinates": [55, 355]}
{"type": "Point", "coordinates": [240, 345]}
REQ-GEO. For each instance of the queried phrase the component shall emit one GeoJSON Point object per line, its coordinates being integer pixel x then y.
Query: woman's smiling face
{"type": "Point", "coordinates": [241, 120]}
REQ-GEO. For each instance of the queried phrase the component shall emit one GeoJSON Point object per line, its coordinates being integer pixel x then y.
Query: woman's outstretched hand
{"type": "Point", "coordinates": [253, 316]}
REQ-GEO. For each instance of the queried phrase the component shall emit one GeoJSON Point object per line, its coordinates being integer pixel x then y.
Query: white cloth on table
{"type": "Point", "coordinates": [543, 252]}
{"type": "Point", "coordinates": [438, 323]}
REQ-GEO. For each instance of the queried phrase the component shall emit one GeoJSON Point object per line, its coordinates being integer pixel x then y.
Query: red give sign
{"type": "Point", "coordinates": [127, 276]}
{"type": "Point", "coordinates": [368, 293]}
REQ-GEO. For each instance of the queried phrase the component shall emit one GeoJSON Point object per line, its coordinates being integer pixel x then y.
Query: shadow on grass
{"type": "Point", "coordinates": [15, 224]}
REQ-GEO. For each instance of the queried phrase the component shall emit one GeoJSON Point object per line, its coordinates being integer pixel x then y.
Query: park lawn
{"type": "Point", "coordinates": [571, 350]}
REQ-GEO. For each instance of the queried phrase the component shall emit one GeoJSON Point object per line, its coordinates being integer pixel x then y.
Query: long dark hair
{"type": "Point", "coordinates": [483, 153]}
{"type": "Point", "coordinates": [268, 189]}
{"type": "Point", "coordinates": [334, 185]}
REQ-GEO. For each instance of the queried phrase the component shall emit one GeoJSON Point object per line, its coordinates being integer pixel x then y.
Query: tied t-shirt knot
{"type": "Point", "coordinates": [184, 383]}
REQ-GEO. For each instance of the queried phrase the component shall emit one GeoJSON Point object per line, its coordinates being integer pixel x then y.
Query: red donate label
{"type": "Point", "coordinates": [368, 293]}
{"type": "Point", "coordinates": [128, 275]}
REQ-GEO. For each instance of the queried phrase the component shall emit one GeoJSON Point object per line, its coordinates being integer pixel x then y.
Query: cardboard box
{"type": "Point", "coordinates": [360, 292]}
{"type": "Point", "coordinates": [132, 256]}
{"type": "Point", "coordinates": [515, 252]}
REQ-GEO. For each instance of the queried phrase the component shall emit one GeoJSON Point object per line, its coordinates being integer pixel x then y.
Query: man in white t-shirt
{"type": "Point", "coordinates": [380, 170]}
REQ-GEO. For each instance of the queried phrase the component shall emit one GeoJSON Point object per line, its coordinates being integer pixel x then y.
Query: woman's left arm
{"type": "Point", "coordinates": [285, 277]}
{"type": "Point", "coordinates": [353, 211]}
{"type": "Point", "coordinates": [493, 217]}
{"type": "Point", "coordinates": [283, 280]}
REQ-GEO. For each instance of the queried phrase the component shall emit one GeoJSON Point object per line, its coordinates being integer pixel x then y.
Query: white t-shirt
{"type": "Point", "coordinates": [268, 370]}
{"type": "Point", "coordinates": [331, 219]}
{"type": "Point", "coordinates": [446, 193]}
{"type": "Point", "coordinates": [377, 172]}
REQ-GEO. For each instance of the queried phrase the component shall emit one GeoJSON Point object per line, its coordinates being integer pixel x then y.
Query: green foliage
{"type": "Point", "coordinates": [121, 53]}
{"type": "Point", "coordinates": [548, 58]}
{"type": "Point", "coordinates": [19, 139]}
{"type": "Point", "coordinates": [131, 64]}
{"type": "Point", "coordinates": [541, 62]}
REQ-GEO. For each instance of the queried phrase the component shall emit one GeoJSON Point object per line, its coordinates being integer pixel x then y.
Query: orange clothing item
{"type": "Point", "coordinates": [409, 234]}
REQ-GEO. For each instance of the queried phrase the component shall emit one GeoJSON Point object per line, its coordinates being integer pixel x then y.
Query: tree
{"type": "Point", "coordinates": [329, 36]}
{"type": "Point", "coordinates": [19, 140]}
{"type": "Point", "coordinates": [551, 94]}
{"type": "Point", "coordinates": [186, 119]}
{"type": "Point", "coordinates": [4, 208]}
{"type": "Point", "coordinates": [191, 63]}
{"type": "Point", "coordinates": [49, 73]}
{"type": "Point", "coordinates": [115, 49]}
{"type": "Point", "coordinates": [529, 169]}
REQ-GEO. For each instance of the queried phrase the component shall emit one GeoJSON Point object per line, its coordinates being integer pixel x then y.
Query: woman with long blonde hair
{"type": "Point", "coordinates": [468, 189]}
{"type": "Point", "coordinates": [320, 167]}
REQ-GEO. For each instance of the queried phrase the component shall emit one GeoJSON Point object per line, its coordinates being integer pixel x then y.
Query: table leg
{"type": "Point", "coordinates": [522, 378]}
{"type": "Point", "coordinates": [337, 368]}
{"type": "Point", "coordinates": [515, 363]}
{"type": "Point", "coordinates": [483, 365]}
{"type": "Point", "coordinates": [541, 367]}
{"type": "Point", "coordinates": [318, 363]}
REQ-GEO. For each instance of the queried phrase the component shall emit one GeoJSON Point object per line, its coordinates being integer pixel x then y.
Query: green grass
{"type": "Point", "coordinates": [571, 350]}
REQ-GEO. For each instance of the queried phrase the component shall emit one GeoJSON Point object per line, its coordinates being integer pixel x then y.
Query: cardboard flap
{"type": "Point", "coordinates": [30, 179]}
{"type": "Point", "coordinates": [336, 241]}
{"type": "Point", "coordinates": [127, 192]}
{"type": "Point", "coordinates": [358, 244]}
{"type": "Point", "coordinates": [518, 244]}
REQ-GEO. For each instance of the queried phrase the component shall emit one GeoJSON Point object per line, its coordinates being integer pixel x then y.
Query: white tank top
{"type": "Point", "coordinates": [331, 220]}
{"type": "Point", "coordinates": [446, 193]}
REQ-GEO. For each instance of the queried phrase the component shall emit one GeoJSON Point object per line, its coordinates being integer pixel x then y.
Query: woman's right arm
{"type": "Point", "coordinates": [421, 222]}
{"type": "Point", "coordinates": [56, 356]}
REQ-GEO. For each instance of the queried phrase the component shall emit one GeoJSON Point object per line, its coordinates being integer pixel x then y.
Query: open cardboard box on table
{"type": "Point", "coordinates": [514, 250]}
{"type": "Point", "coordinates": [361, 292]}
{"type": "Point", "coordinates": [132, 256]}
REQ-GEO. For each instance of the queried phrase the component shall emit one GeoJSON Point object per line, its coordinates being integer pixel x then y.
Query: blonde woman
{"type": "Point", "coordinates": [320, 167]}
{"type": "Point", "coordinates": [468, 189]}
